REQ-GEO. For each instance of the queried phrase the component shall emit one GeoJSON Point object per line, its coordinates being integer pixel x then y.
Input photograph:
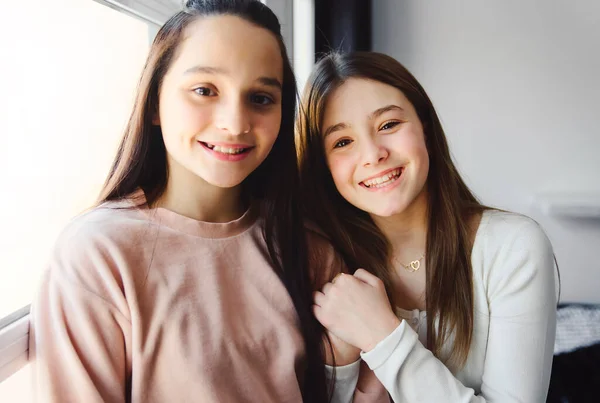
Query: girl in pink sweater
{"type": "Point", "coordinates": [189, 281]}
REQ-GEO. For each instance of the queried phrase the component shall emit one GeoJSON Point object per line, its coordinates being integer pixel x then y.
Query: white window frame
{"type": "Point", "coordinates": [14, 342]}
{"type": "Point", "coordinates": [303, 33]}
{"type": "Point", "coordinates": [297, 19]}
{"type": "Point", "coordinates": [156, 12]}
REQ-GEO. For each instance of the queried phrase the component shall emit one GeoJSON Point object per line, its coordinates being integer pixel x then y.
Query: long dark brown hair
{"type": "Point", "coordinates": [141, 162]}
{"type": "Point", "coordinates": [451, 205]}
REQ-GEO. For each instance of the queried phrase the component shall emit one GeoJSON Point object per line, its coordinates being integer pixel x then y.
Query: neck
{"type": "Point", "coordinates": [191, 196]}
{"type": "Point", "coordinates": [407, 231]}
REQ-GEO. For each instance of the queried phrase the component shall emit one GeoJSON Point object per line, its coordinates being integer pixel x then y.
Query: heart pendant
{"type": "Point", "coordinates": [415, 264]}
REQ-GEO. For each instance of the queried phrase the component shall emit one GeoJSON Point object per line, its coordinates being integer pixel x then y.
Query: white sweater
{"type": "Point", "coordinates": [513, 336]}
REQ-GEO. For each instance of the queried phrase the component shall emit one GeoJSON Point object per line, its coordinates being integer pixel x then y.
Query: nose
{"type": "Point", "coordinates": [233, 117]}
{"type": "Point", "coordinates": [373, 153]}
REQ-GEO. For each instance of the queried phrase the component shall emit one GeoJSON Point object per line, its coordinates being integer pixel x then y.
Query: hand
{"type": "Point", "coordinates": [356, 309]}
{"type": "Point", "coordinates": [343, 352]}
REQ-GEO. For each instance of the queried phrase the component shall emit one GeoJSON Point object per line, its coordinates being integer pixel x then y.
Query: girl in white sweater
{"type": "Point", "coordinates": [469, 312]}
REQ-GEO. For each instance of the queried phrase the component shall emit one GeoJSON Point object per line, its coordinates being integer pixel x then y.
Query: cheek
{"type": "Point", "coordinates": [421, 156]}
{"type": "Point", "coordinates": [411, 143]}
{"type": "Point", "coordinates": [181, 117]}
{"type": "Point", "coordinates": [417, 152]}
{"type": "Point", "coordinates": [342, 170]}
{"type": "Point", "coordinates": [268, 127]}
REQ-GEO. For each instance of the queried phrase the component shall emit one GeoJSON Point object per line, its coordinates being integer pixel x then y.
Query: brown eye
{"type": "Point", "coordinates": [262, 100]}
{"type": "Point", "coordinates": [204, 91]}
{"type": "Point", "coordinates": [342, 143]}
{"type": "Point", "coordinates": [389, 125]}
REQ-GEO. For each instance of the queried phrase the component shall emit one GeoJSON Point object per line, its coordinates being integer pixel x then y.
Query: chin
{"type": "Point", "coordinates": [223, 181]}
{"type": "Point", "coordinates": [227, 184]}
{"type": "Point", "coordinates": [224, 177]}
{"type": "Point", "coordinates": [386, 210]}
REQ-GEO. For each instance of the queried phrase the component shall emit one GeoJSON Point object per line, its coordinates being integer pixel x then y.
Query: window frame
{"type": "Point", "coordinates": [156, 12]}
{"type": "Point", "coordinates": [14, 342]}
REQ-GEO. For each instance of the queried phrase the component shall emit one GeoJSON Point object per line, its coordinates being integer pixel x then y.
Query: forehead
{"type": "Point", "coordinates": [357, 98]}
{"type": "Point", "coordinates": [230, 43]}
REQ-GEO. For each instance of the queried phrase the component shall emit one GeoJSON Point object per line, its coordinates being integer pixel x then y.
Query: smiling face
{"type": "Point", "coordinates": [375, 147]}
{"type": "Point", "coordinates": [220, 101]}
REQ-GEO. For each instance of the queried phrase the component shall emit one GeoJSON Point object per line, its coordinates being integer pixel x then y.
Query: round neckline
{"type": "Point", "coordinates": [191, 226]}
{"type": "Point", "coordinates": [203, 229]}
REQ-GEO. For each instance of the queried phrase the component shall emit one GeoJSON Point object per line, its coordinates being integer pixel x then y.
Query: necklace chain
{"type": "Point", "coordinates": [414, 265]}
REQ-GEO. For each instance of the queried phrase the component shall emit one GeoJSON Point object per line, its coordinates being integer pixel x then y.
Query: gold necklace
{"type": "Point", "coordinates": [414, 265]}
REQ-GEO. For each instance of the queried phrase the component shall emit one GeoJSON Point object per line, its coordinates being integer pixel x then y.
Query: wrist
{"type": "Point", "coordinates": [380, 333]}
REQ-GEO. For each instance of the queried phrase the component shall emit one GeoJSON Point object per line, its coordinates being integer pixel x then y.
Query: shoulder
{"type": "Point", "coordinates": [109, 223]}
{"type": "Point", "coordinates": [503, 232]}
{"type": "Point", "coordinates": [514, 256]}
{"type": "Point", "coordinates": [94, 246]}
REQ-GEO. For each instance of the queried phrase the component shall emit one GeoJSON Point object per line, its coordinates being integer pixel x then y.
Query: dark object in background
{"type": "Point", "coordinates": [342, 25]}
{"type": "Point", "coordinates": [575, 376]}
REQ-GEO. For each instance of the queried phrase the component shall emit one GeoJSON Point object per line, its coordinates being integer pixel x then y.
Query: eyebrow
{"type": "Point", "coordinates": [205, 69]}
{"type": "Point", "coordinates": [376, 113]}
{"type": "Point", "coordinates": [268, 81]}
{"type": "Point", "coordinates": [334, 128]}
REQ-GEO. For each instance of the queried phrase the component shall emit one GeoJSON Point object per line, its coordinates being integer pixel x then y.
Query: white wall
{"type": "Point", "coordinates": [517, 86]}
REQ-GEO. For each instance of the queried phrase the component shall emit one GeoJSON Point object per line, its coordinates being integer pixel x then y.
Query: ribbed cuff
{"type": "Point", "coordinates": [344, 372]}
{"type": "Point", "coordinates": [384, 349]}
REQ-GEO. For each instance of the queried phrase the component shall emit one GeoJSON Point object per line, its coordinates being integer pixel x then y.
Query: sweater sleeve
{"type": "Point", "coordinates": [356, 383]}
{"type": "Point", "coordinates": [522, 304]}
{"type": "Point", "coordinates": [78, 331]}
{"type": "Point", "coordinates": [345, 380]}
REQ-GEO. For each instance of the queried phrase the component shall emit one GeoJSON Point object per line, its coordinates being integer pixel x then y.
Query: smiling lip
{"type": "Point", "coordinates": [383, 181]}
{"type": "Point", "coordinates": [233, 153]}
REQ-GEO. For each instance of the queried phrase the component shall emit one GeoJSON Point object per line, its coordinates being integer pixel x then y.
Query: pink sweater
{"type": "Point", "coordinates": [145, 305]}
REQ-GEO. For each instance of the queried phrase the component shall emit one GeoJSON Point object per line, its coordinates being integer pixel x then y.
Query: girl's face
{"type": "Point", "coordinates": [375, 147]}
{"type": "Point", "coordinates": [220, 101]}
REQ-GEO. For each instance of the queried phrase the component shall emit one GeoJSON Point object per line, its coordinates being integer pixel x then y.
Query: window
{"type": "Point", "coordinates": [68, 74]}
{"type": "Point", "coordinates": [297, 18]}
{"type": "Point", "coordinates": [304, 40]}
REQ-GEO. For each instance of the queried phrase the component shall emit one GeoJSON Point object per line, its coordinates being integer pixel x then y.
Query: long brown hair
{"type": "Point", "coordinates": [141, 163]}
{"type": "Point", "coordinates": [449, 288]}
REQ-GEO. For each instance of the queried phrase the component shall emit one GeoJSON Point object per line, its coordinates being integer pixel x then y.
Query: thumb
{"type": "Point", "coordinates": [368, 278]}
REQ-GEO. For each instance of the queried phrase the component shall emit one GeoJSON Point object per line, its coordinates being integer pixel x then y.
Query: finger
{"type": "Point", "coordinates": [326, 288]}
{"type": "Point", "coordinates": [318, 312]}
{"type": "Point", "coordinates": [318, 298]}
{"type": "Point", "coordinates": [346, 282]}
{"type": "Point", "coordinates": [368, 278]}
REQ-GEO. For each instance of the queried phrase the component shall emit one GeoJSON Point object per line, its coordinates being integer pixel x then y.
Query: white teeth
{"type": "Point", "coordinates": [226, 150]}
{"type": "Point", "coordinates": [384, 180]}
